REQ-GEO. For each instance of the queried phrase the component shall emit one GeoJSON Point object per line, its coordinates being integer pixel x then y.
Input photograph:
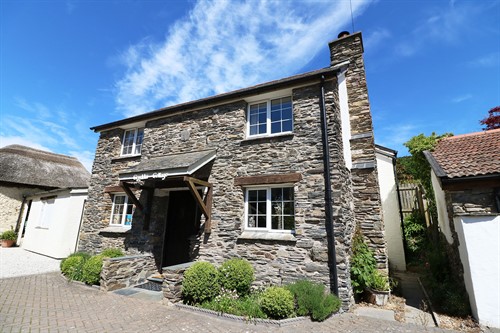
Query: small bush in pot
{"type": "Point", "coordinates": [200, 283]}
{"type": "Point", "coordinates": [236, 274]}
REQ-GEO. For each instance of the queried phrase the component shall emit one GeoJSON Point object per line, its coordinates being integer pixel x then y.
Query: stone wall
{"type": "Point", "coordinates": [124, 272]}
{"type": "Point", "coordinates": [477, 201]}
{"type": "Point", "coordinates": [11, 199]}
{"type": "Point", "coordinates": [367, 202]}
{"type": "Point", "coordinates": [223, 128]}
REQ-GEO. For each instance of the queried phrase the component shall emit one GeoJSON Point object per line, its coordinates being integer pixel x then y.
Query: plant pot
{"type": "Point", "coordinates": [377, 297]}
{"type": "Point", "coordinates": [8, 243]}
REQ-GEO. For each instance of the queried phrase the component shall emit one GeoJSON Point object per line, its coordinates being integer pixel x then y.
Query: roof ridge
{"type": "Point", "coordinates": [20, 148]}
{"type": "Point", "coordinates": [472, 134]}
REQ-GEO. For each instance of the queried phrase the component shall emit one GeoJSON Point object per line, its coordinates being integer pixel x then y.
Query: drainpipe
{"type": "Point", "coordinates": [332, 257]}
{"type": "Point", "coordinates": [20, 216]}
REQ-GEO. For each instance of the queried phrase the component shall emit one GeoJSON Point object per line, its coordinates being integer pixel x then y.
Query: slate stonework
{"type": "Point", "coordinates": [367, 202]}
{"type": "Point", "coordinates": [126, 272]}
{"type": "Point", "coordinates": [222, 128]}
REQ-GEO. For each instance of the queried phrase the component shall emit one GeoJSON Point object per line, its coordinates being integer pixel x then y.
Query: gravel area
{"type": "Point", "coordinates": [15, 261]}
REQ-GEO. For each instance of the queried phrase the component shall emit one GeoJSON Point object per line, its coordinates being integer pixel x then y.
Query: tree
{"type": "Point", "coordinates": [493, 119]}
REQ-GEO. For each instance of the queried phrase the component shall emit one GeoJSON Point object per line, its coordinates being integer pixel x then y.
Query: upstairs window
{"type": "Point", "coordinates": [132, 141]}
{"type": "Point", "coordinates": [270, 117]}
{"type": "Point", "coordinates": [122, 211]}
{"type": "Point", "coordinates": [270, 209]}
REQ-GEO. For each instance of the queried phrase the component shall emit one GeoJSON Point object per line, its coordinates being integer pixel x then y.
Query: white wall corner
{"type": "Point", "coordinates": [345, 122]}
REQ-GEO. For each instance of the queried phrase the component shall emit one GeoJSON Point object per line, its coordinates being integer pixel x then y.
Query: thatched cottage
{"type": "Point", "coordinates": [25, 171]}
{"type": "Point", "coordinates": [279, 173]}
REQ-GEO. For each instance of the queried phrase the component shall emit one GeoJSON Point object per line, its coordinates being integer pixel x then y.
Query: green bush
{"type": "Point", "coordinates": [312, 300]}
{"type": "Point", "coordinates": [72, 266]}
{"type": "Point", "coordinates": [277, 302]}
{"type": "Point", "coordinates": [200, 283]}
{"type": "Point", "coordinates": [379, 282]}
{"type": "Point", "coordinates": [415, 234]}
{"type": "Point", "coordinates": [91, 272]}
{"type": "Point", "coordinates": [9, 235]}
{"type": "Point", "coordinates": [229, 302]}
{"type": "Point", "coordinates": [236, 274]}
{"type": "Point", "coordinates": [326, 307]}
{"type": "Point", "coordinates": [363, 264]}
{"type": "Point", "coordinates": [112, 253]}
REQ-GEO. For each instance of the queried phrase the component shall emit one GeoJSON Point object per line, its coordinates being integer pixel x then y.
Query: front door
{"type": "Point", "coordinates": [183, 220]}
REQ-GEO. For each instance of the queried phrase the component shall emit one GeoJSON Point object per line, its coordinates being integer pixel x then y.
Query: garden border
{"type": "Point", "coordinates": [255, 321]}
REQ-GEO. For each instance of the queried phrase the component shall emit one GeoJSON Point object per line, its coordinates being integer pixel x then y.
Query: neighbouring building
{"type": "Point", "coordinates": [242, 174]}
{"type": "Point", "coordinates": [25, 171]}
{"type": "Point", "coordinates": [466, 182]}
{"type": "Point", "coordinates": [392, 215]}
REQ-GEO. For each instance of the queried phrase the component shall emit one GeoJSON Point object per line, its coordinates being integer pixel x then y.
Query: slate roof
{"type": "Point", "coordinates": [28, 166]}
{"type": "Point", "coordinates": [474, 154]}
{"type": "Point", "coordinates": [175, 164]}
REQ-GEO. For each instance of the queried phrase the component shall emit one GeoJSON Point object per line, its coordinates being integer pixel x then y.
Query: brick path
{"type": "Point", "coordinates": [48, 303]}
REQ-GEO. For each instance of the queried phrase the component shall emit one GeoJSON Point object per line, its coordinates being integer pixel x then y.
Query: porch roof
{"type": "Point", "coordinates": [181, 164]}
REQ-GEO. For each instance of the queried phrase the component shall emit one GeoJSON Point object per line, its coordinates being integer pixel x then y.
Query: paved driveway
{"type": "Point", "coordinates": [49, 303]}
{"type": "Point", "coordinates": [15, 261]}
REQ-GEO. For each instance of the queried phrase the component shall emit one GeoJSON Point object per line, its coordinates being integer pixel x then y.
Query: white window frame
{"type": "Point", "coordinates": [46, 212]}
{"type": "Point", "coordinates": [268, 227]}
{"type": "Point", "coordinates": [268, 117]}
{"type": "Point", "coordinates": [124, 213]}
{"type": "Point", "coordinates": [134, 143]}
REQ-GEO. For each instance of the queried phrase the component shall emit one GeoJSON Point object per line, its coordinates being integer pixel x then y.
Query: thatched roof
{"type": "Point", "coordinates": [28, 166]}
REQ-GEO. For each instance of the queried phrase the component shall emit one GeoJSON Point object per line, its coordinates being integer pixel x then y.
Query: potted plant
{"type": "Point", "coordinates": [8, 238]}
{"type": "Point", "coordinates": [378, 289]}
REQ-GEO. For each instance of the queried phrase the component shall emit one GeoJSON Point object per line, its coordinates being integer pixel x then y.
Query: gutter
{"type": "Point", "coordinates": [332, 257]}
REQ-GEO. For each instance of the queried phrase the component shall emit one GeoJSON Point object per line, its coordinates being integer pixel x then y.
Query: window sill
{"type": "Point", "coordinates": [268, 138]}
{"type": "Point", "coordinates": [114, 230]}
{"type": "Point", "coordinates": [273, 236]}
{"type": "Point", "coordinates": [42, 228]}
{"type": "Point", "coordinates": [126, 158]}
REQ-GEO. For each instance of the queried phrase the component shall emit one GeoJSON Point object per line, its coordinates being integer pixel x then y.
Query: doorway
{"type": "Point", "coordinates": [183, 221]}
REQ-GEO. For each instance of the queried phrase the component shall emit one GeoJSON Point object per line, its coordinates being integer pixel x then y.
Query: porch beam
{"type": "Point", "coordinates": [131, 195]}
{"type": "Point", "coordinates": [205, 205]}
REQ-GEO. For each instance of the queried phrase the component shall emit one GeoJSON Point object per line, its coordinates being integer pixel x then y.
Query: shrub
{"type": "Point", "coordinates": [312, 300]}
{"type": "Point", "coordinates": [326, 307]}
{"type": "Point", "coordinates": [9, 235]}
{"type": "Point", "coordinates": [72, 266]}
{"type": "Point", "coordinates": [112, 253]}
{"type": "Point", "coordinates": [200, 283]}
{"type": "Point", "coordinates": [91, 273]}
{"type": "Point", "coordinates": [277, 302]}
{"type": "Point", "coordinates": [415, 234]}
{"type": "Point", "coordinates": [229, 302]}
{"type": "Point", "coordinates": [379, 282]}
{"type": "Point", "coordinates": [363, 264]}
{"type": "Point", "coordinates": [236, 274]}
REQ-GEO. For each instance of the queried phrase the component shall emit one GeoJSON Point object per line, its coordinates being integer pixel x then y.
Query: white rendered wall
{"type": "Point", "coordinates": [390, 207]}
{"type": "Point", "coordinates": [345, 120]}
{"type": "Point", "coordinates": [443, 220]}
{"type": "Point", "coordinates": [58, 239]}
{"type": "Point", "coordinates": [479, 238]}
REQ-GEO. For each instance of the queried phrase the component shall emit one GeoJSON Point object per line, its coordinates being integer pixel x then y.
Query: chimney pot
{"type": "Point", "coordinates": [343, 34]}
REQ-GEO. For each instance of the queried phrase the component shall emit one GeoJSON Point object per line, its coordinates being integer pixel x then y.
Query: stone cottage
{"type": "Point", "coordinates": [279, 173]}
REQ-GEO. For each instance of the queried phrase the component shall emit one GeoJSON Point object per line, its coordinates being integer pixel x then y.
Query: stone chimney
{"type": "Point", "coordinates": [346, 52]}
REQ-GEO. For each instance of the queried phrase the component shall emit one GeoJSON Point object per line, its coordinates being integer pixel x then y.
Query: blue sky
{"type": "Point", "coordinates": [68, 65]}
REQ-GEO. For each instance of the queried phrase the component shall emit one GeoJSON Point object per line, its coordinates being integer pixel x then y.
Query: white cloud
{"type": "Point", "coordinates": [225, 45]}
{"type": "Point", "coordinates": [374, 38]}
{"type": "Point", "coordinates": [395, 136]}
{"type": "Point", "coordinates": [18, 140]}
{"type": "Point", "coordinates": [461, 98]}
{"type": "Point", "coordinates": [442, 25]}
{"type": "Point", "coordinates": [487, 61]}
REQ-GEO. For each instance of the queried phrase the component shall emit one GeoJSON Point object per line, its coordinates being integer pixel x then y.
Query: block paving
{"type": "Point", "coordinates": [49, 303]}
